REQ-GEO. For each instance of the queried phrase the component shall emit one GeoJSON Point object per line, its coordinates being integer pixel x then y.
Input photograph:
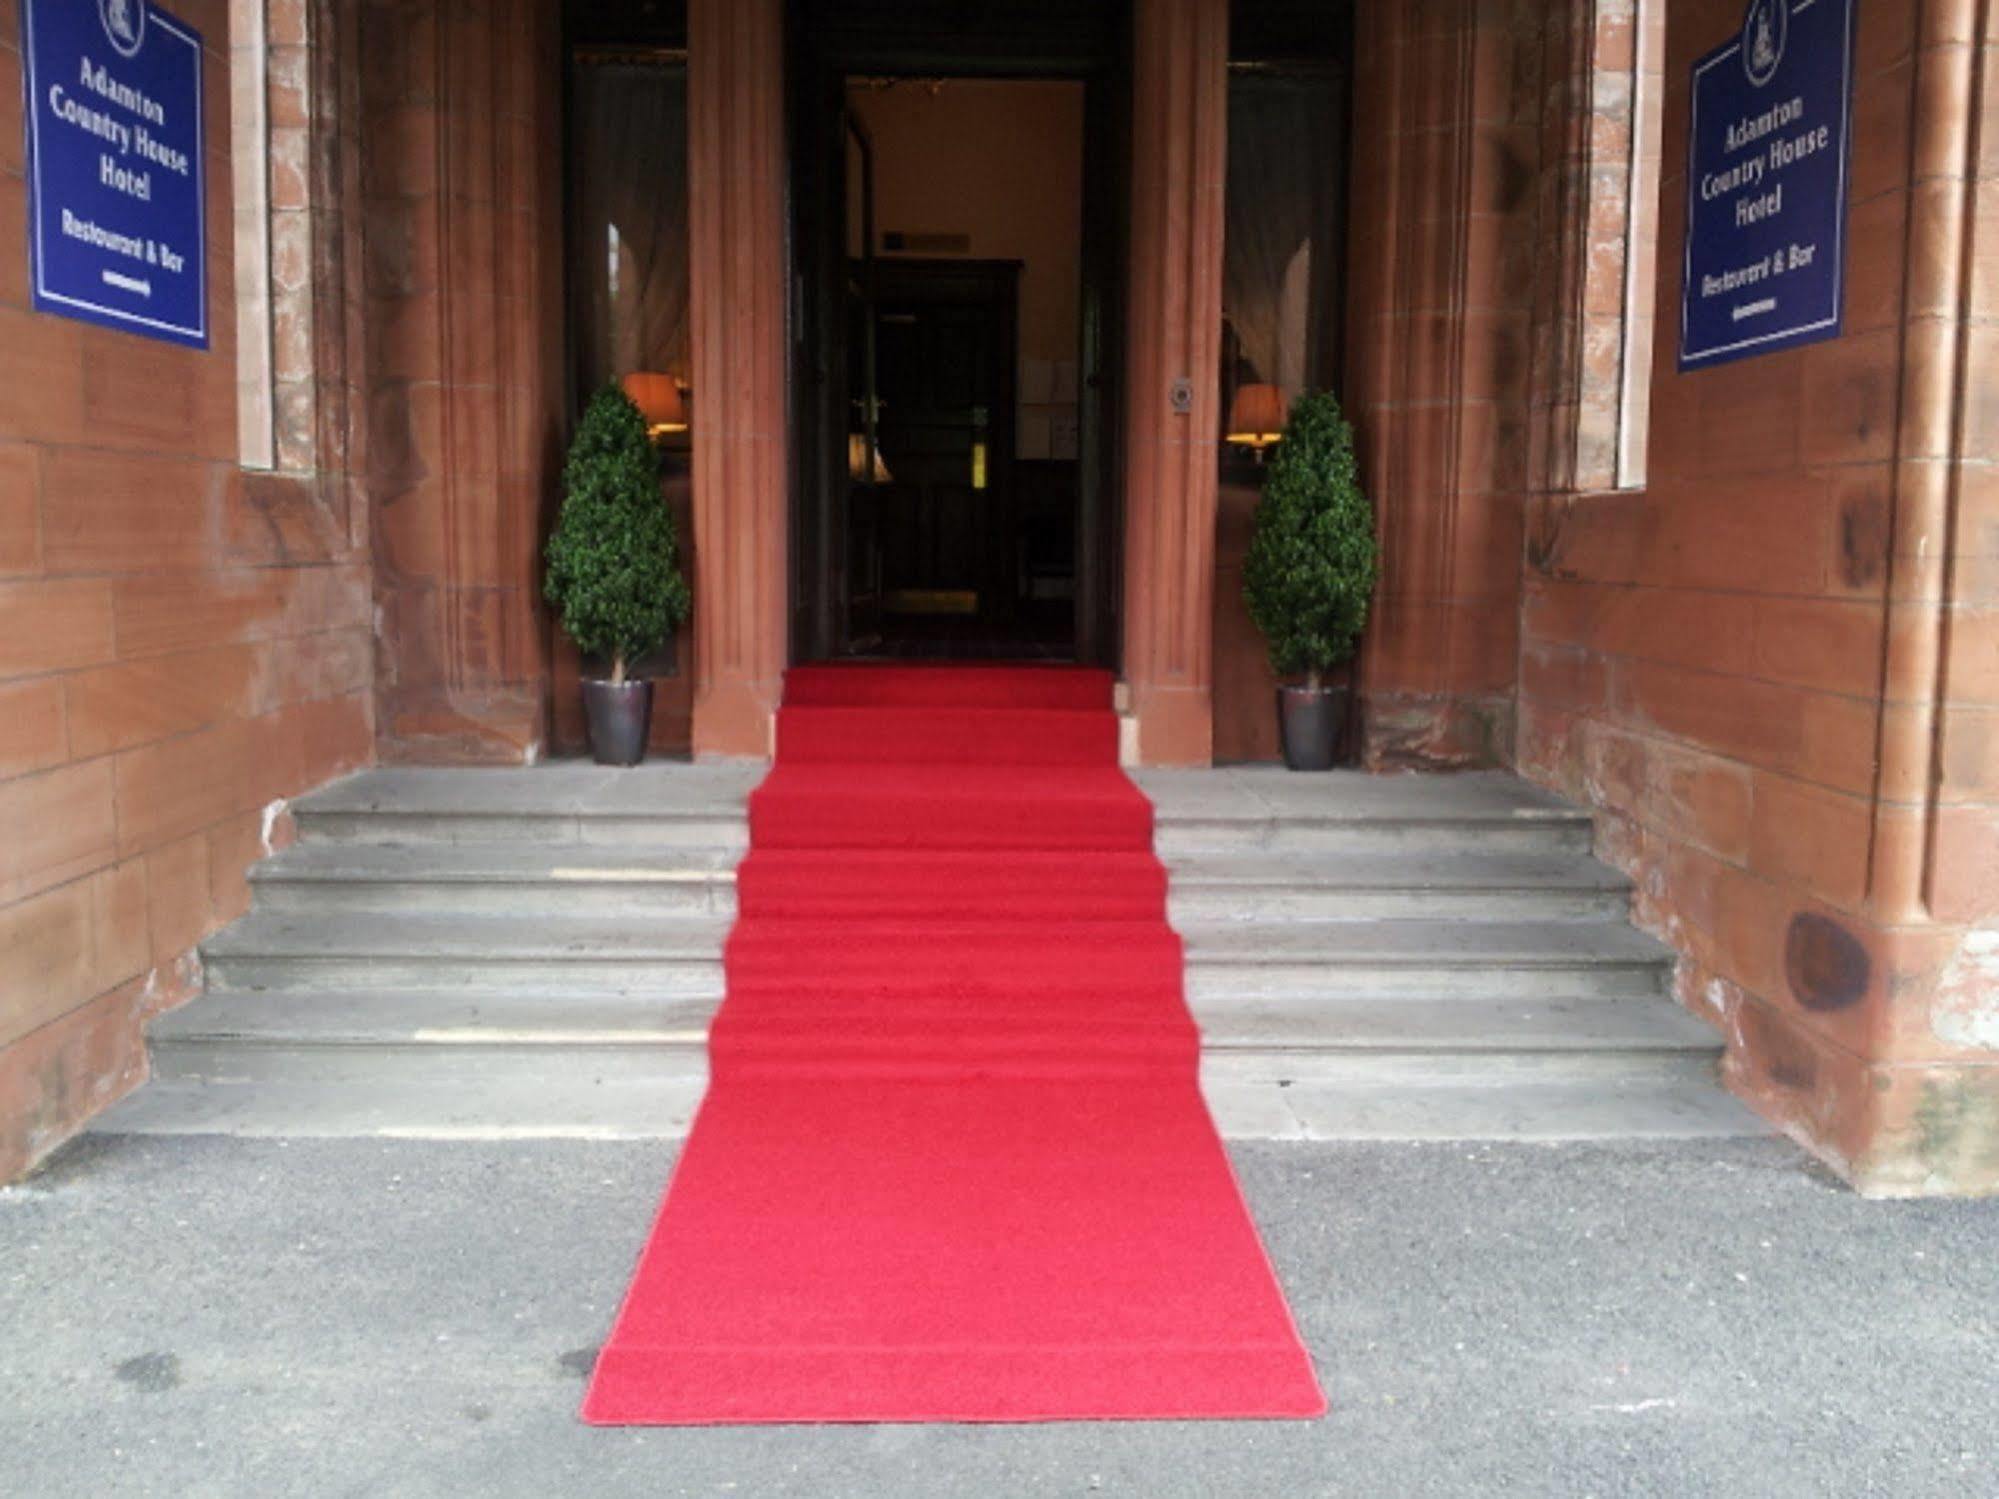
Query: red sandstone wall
{"type": "Point", "coordinates": [1245, 686]}
{"type": "Point", "coordinates": [1441, 277]}
{"type": "Point", "coordinates": [1961, 877]}
{"type": "Point", "coordinates": [180, 646]}
{"type": "Point", "coordinates": [1736, 666]}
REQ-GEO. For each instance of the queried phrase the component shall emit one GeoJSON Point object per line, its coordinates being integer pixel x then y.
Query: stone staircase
{"type": "Point", "coordinates": [496, 953]}
{"type": "Point", "coordinates": [1422, 957]}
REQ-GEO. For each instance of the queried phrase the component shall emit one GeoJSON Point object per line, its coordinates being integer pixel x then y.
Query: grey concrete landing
{"type": "Point", "coordinates": [258, 1318]}
{"type": "Point", "coordinates": [521, 953]}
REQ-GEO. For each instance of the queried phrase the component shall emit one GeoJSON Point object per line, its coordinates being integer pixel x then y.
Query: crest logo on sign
{"type": "Point", "coordinates": [1764, 31]}
{"type": "Point", "coordinates": [124, 25]}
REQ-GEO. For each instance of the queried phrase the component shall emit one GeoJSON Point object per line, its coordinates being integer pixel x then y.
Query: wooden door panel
{"type": "Point", "coordinates": [945, 348]}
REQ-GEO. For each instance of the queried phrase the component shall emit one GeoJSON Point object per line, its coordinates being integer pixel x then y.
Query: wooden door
{"type": "Point", "coordinates": [944, 348]}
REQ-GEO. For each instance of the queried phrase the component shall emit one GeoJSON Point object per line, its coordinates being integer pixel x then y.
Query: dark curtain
{"type": "Point", "coordinates": [628, 198]}
{"type": "Point", "coordinates": [1283, 255]}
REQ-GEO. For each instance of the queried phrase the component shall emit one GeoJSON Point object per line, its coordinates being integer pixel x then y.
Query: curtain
{"type": "Point", "coordinates": [628, 193]}
{"type": "Point", "coordinates": [1282, 253]}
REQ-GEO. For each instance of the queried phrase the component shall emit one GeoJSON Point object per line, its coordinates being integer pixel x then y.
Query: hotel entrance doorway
{"type": "Point", "coordinates": [959, 241]}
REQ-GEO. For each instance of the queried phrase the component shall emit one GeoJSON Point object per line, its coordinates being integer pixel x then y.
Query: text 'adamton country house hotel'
{"type": "Point", "coordinates": [1666, 328]}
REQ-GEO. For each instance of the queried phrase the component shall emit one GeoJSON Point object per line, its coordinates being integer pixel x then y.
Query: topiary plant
{"type": "Point", "coordinates": [613, 569]}
{"type": "Point", "coordinates": [1311, 565]}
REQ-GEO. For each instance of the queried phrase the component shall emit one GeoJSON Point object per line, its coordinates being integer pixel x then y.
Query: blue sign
{"type": "Point", "coordinates": [1766, 184]}
{"type": "Point", "coordinates": [115, 208]}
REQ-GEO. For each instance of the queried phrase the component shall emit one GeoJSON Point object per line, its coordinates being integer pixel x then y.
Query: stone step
{"type": "Point", "coordinates": [1266, 808]}
{"type": "Point", "coordinates": [1445, 959]}
{"type": "Point", "coordinates": [506, 1064]}
{"type": "Point", "coordinates": [288, 1030]}
{"type": "Point", "coordinates": [539, 879]}
{"type": "Point", "coordinates": [652, 1092]}
{"type": "Point", "coordinates": [369, 949]}
{"type": "Point", "coordinates": [1245, 809]}
{"type": "Point", "coordinates": [668, 956]}
{"type": "Point", "coordinates": [440, 1018]}
{"type": "Point", "coordinates": [651, 805]}
{"type": "Point", "coordinates": [1370, 1026]}
{"type": "Point", "coordinates": [1678, 1107]}
{"type": "Point", "coordinates": [1482, 884]}
{"type": "Point", "coordinates": [483, 1104]}
{"type": "Point", "coordinates": [435, 1018]}
{"type": "Point", "coordinates": [528, 879]}
{"type": "Point", "coordinates": [502, 953]}
{"type": "Point", "coordinates": [536, 1105]}
{"type": "Point", "coordinates": [278, 1062]}
{"type": "Point", "coordinates": [1335, 1068]}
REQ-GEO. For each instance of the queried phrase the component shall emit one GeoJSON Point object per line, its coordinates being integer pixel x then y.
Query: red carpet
{"type": "Point", "coordinates": [953, 1164]}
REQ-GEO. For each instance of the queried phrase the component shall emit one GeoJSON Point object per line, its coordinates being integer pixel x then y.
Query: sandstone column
{"type": "Point", "coordinates": [1179, 124]}
{"type": "Point", "coordinates": [738, 275]}
{"type": "Point", "coordinates": [1441, 282]}
{"type": "Point", "coordinates": [461, 109]}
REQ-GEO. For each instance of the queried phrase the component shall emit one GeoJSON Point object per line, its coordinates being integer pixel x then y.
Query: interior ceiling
{"type": "Point", "coordinates": [962, 36]}
{"type": "Point", "coordinates": [905, 35]}
{"type": "Point", "coordinates": [626, 23]}
{"type": "Point", "coordinates": [1290, 30]}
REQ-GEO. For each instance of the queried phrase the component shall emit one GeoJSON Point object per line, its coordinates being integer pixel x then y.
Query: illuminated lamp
{"type": "Point", "coordinates": [659, 402]}
{"type": "Point", "coordinates": [1256, 418]}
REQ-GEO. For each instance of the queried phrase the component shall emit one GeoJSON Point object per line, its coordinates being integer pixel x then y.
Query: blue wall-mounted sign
{"type": "Point", "coordinates": [1766, 184]}
{"type": "Point", "coordinates": [115, 208]}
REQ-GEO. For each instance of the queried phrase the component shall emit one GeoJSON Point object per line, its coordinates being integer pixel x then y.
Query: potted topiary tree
{"type": "Point", "coordinates": [612, 569]}
{"type": "Point", "coordinates": [1309, 574]}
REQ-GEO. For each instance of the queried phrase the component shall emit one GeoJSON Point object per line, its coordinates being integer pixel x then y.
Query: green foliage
{"type": "Point", "coordinates": [1311, 564]}
{"type": "Point", "coordinates": [613, 568]}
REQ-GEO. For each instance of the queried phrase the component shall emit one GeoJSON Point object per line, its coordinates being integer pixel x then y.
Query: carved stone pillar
{"type": "Point", "coordinates": [1179, 127]}
{"type": "Point", "coordinates": [738, 274]}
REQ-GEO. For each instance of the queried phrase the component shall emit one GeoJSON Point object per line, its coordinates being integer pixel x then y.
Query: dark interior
{"type": "Point", "coordinates": [955, 497]}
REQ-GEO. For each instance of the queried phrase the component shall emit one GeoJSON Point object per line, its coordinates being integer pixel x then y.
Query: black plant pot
{"type": "Point", "coordinates": [619, 713]}
{"type": "Point", "coordinates": [1311, 721]}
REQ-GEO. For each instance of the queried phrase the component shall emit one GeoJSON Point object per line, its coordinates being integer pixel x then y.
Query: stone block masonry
{"type": "Point", "coordinates": [182, 643]}
{"type": "Point", "coordinates": [1771, 671]}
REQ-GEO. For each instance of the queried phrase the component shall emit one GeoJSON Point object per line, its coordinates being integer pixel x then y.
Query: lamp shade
{"type": "Point", "coordinates": [1256, 416]}
{"type": "Point", "coordinates": [658, 400]}
{"type": "Point", "coordinates": [857, 462]}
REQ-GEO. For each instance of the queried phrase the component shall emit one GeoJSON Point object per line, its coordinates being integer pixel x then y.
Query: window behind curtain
{"type": "Point", "coordinates": [628, 218]}
{"type": "Point", "coordinates": [1283, 282]}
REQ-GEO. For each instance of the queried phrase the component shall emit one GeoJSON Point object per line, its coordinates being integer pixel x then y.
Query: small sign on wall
{"type": "Point", "coordinates": [1767, 138]}
{"type": "Point", "coordinates": [116, 213]}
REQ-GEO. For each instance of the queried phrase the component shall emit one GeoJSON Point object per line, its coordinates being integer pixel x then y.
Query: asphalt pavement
{"type": "Point", "coordinates": [210, 1316]}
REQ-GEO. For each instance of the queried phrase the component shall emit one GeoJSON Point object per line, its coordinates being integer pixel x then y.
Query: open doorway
{"type": "Point", "coordinates": [965, 264]}
{"type": "Point", "coordinates": [958, 227]}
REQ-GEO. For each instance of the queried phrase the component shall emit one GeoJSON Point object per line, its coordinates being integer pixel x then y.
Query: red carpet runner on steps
{"type": "Point", "coordinates": [953, 1164]}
